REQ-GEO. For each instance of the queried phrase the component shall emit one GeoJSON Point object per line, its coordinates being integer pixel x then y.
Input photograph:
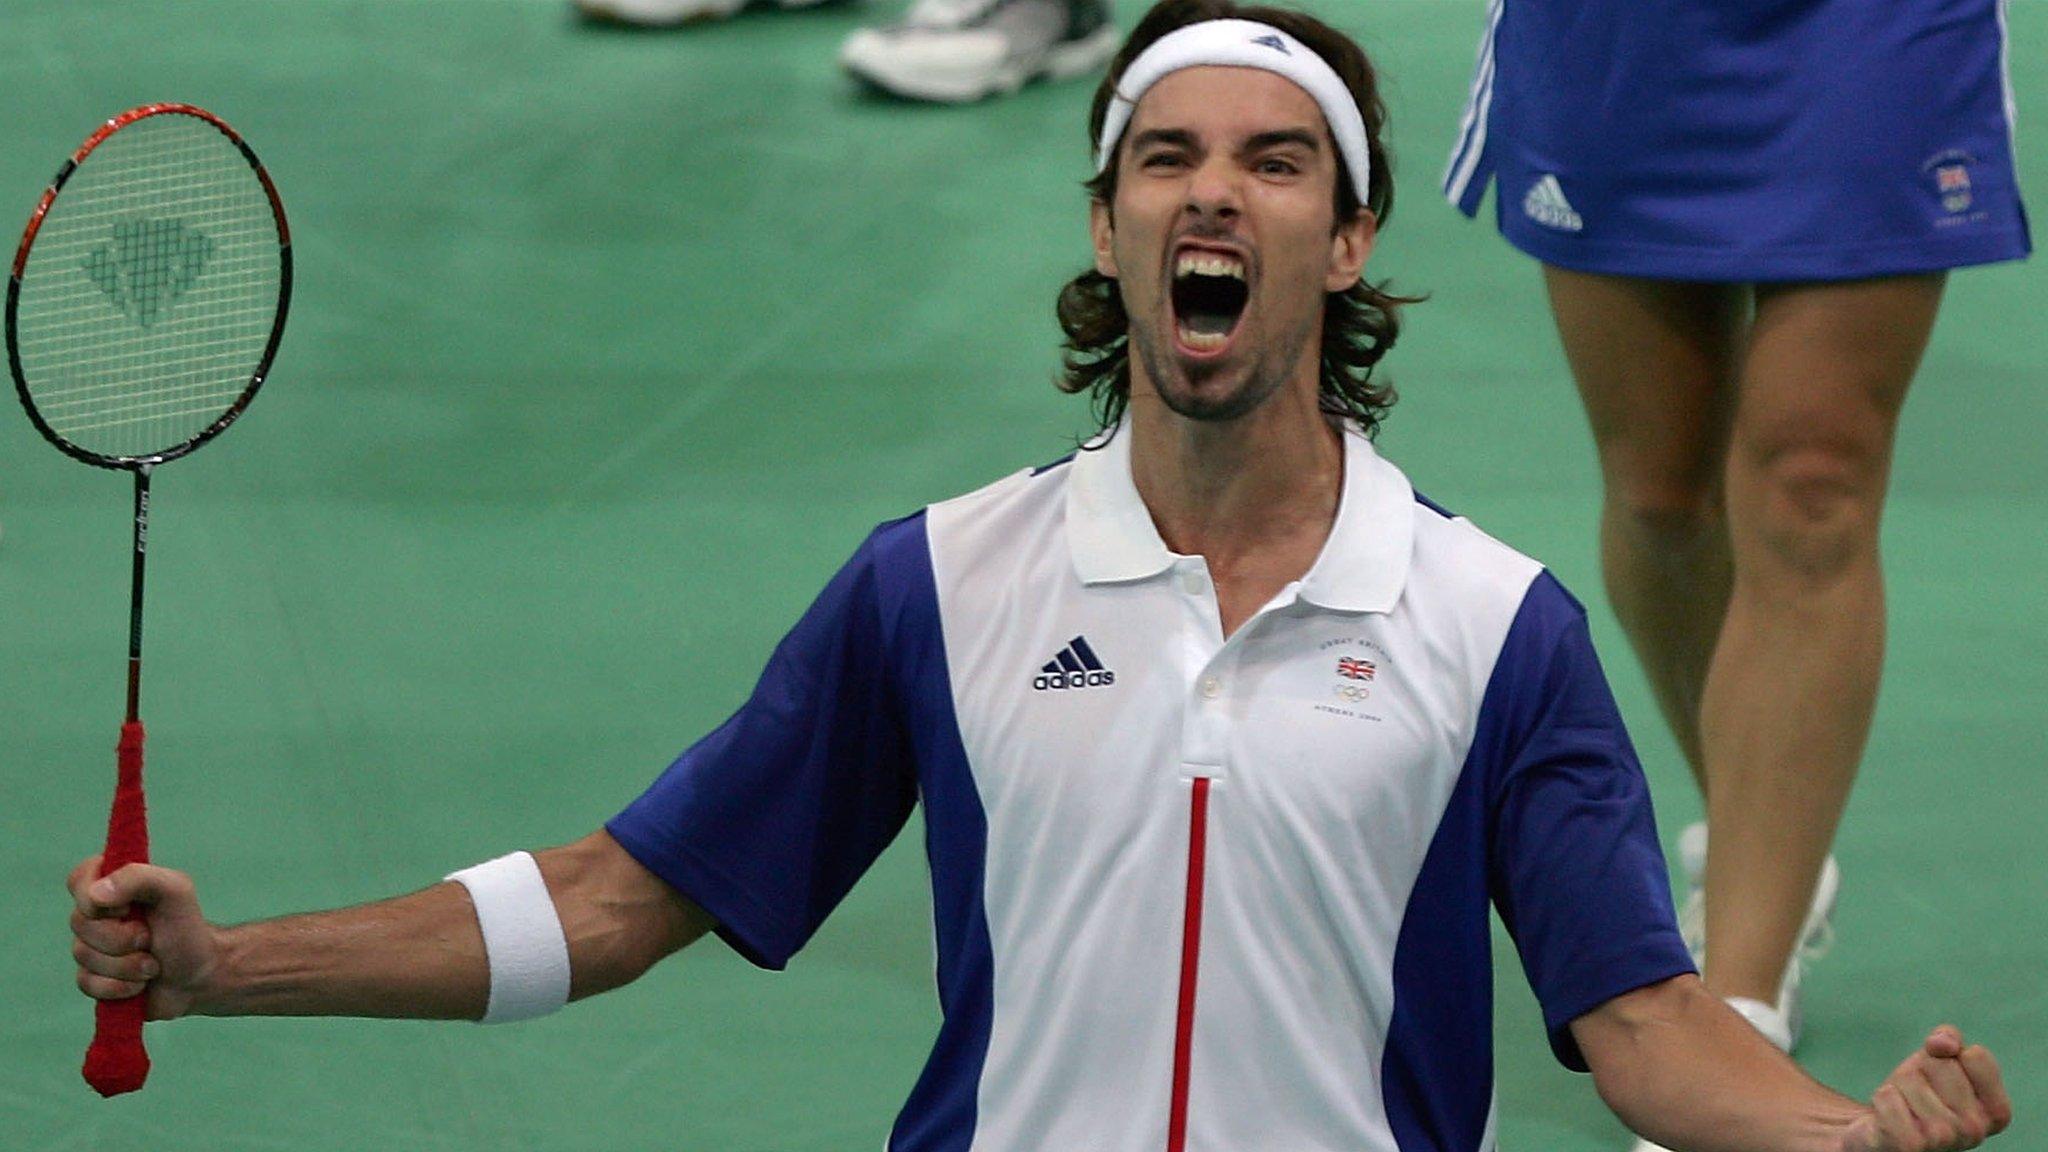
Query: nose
{"type": "Point", "coordinates": [1213, 190]}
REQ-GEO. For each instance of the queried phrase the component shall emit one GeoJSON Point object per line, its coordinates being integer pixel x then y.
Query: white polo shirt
{"type": "Point", "coordinates": [1190, 893]}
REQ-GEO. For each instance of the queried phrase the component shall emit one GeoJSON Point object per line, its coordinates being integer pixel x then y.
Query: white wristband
{"type": "Point", "coordinates": [523, 938]}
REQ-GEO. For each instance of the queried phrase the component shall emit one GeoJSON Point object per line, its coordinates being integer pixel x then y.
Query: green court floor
{"type": "Point", "coordinates": [606, 349]}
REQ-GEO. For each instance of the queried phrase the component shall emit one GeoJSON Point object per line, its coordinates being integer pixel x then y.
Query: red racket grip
{"type": "Point", "coordinates": [116, 1062]}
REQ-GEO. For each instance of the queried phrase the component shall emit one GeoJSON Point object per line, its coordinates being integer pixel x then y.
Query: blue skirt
{"type": "Point", "coordinates": [1745, 140]}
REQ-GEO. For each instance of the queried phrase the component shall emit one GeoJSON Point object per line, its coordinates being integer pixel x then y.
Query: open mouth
{"type": "Point", "coordinates": [1209, 295]}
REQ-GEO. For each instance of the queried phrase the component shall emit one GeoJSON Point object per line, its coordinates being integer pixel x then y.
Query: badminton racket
{"type": "Point", "coordinates": [143, 312]}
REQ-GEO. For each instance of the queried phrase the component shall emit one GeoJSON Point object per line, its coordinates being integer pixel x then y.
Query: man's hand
{"type": "Point", "coordinates": [169, 953]}
{"type": "Point", "coordinates": [1943, 1097]}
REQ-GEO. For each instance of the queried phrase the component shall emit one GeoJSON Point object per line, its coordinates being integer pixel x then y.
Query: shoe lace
{"type": "Point", "coordinates": [1692, 925]}
{"type": "Point", "coordinates": [947, 13]}
{"type": "Point", "coordinates": [1818, 942]}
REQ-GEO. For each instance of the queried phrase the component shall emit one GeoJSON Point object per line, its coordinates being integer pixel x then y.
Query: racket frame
{"type": "Point", "coordinates": [28, 238]}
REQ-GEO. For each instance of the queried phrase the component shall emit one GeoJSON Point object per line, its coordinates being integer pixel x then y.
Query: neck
{"type": "Point", "coordinates": [1264, 485]}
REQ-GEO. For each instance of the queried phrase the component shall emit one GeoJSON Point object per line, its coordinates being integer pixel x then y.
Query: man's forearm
{"type": "Point", "coordinates": [422, 956]}
{"type": "Point", "coordinates": [1680, 1067]}
{"type": "Point", "coordinates": [415, 956]}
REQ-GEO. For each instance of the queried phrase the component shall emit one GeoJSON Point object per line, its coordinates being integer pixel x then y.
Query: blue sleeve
{"type": "Point", "coordinates": [767, 822]}
{"type": "Point", "coordinates": [1576, 870]}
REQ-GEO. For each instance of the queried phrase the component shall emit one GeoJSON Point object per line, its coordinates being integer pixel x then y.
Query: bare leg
{"type": "Point", "coordinates": [1793, 683]}
{"type": "Point", "coordinates": [1656, 364]}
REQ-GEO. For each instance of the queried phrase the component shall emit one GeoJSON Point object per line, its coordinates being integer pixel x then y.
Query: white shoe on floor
{"type": "Point", "coordinates": [670, 13]}
{"type": "Point", "coordinates": [1816, 936]}
{"type": "Point", "coordinates": [956, 51]}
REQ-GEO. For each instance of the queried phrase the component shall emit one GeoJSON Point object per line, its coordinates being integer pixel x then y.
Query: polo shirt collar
{"type": "Point", "coordinates": [1363, 565]}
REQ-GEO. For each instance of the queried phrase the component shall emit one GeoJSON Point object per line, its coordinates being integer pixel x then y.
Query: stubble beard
{"type": "Point", "coordinates": [1264, 375]}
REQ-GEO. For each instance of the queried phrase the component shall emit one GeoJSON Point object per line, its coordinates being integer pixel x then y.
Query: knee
{"type": "Point", "coordinates": [1668, 517]}
{"type": "Point", "coordinates": [1812, 509]}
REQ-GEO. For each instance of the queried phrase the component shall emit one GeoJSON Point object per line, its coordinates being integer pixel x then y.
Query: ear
{"type": "Point", "coordinates": [1349, 247]}
{"type": "Point", "coordinates": [1102, 233]}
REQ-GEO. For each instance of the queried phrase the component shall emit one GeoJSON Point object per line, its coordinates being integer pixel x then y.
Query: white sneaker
{"type": "Point", "coordinates": [1816, 936]}
{"type": "Point", "coordinates": [955, 51]}
{"type": "Point", "coordinates": [669, 13]}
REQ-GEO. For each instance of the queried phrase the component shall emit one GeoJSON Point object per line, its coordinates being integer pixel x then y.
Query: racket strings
{"type": "Point", "coordinates": [152, 289]}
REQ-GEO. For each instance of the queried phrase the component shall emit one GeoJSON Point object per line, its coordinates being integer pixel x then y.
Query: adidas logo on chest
{"type": "Point", "coordinates": [1074, 666]}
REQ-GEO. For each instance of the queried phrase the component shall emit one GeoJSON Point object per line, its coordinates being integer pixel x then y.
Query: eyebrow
{"type": "Point", "coordinates": [1182, 138]}
{"type": "Point", "coordinates": [1173, 137]}
{"type": "Point", "coordinates": [1300, 136]}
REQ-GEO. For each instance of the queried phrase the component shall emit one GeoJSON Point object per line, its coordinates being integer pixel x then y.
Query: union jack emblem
{"type": "Point", "coordinates": [1352, 668]}
{"type": "Point", "coordinates": [1952, 178]}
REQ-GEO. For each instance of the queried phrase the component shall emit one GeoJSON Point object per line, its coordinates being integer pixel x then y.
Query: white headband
{"type": "Point", "coordinates": [1241, 44]}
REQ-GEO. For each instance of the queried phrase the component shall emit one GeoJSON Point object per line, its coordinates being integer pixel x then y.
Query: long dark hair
{"type": "Point", "coordinates": [1359, 324]}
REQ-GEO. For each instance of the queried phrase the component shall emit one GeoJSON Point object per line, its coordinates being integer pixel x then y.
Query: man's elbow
{"type": "Point", "coordinates": [1624, 1038]}
{"type": "Point", "coordinates": [619, 919]}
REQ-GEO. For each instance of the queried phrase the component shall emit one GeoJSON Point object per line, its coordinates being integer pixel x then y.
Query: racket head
{"type": "Point", "coordinates": [149, 292]}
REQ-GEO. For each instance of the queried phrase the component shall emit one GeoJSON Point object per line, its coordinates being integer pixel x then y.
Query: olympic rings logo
{"type": "Point", "coordinates": [1352, 692]}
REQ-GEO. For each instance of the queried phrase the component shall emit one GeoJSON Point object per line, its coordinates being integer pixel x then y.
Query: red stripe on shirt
{"type": "Point", "coordinates": [1190, 963]}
